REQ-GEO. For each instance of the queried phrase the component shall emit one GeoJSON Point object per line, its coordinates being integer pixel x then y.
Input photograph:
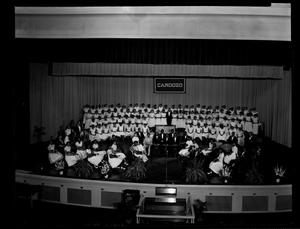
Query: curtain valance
{"type": "Point", "coordinates": [157, 70]}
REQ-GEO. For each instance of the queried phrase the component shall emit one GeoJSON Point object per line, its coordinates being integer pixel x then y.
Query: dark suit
{"type": "Point", "coordinates": [174, 142]}
{"type": "Point", "coordinates": [140, 136]}
{"type": "Point", "coordinates": [232, 139]}
{"type": "Point", "coordinates": [162, 142]}
{"type": "Point", "coordinates": [59, 145]}
{"type": "Point", "coordinates": [155, 139]}
{"type": "Point", "coordinates": [162, 138]}
{"type": "Point", "coordinates": [250, 143]}
{"type": "Point", "coordinates": [77, 129]}
{"type": "Point", "coordinates": [169, 118]}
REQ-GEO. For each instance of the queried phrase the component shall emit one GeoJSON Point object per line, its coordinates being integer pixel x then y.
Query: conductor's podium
{"type": "Point", "coordinates": [165, 209]}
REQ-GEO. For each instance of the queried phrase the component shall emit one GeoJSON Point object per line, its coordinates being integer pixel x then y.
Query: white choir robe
{"type": "Point", "coordinates": [120, 131]}
{"type": "Point", "coordinates": [205, 132]}
{"type": "Point", "coordinates": [185, 152]}
{"type": "Point", "coordinates": [213, 133]}
{"type": "Point", "coordinates": [151, 120]}
{"type": "Point", "coordinates": [174, 121]}
{"type": "Point", "coordinates": [255, 125]}
{"type": "Point", "coordinates": [217, 166]}
{"type": "Point", "coordinates": [208, 150]}
{"type": "Point", "coordinates": [139, 151]}
{"type": "Point", "coordinates": [191, 131]}
{"type": "Point", "coordinates": [198, 132]}
{"type": "Point", "coordinates": [92, 135]}
{"type": "Point", "coordinates": [222, 136]}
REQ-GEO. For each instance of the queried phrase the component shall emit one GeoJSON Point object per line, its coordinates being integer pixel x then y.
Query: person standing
{"type": "Point", "coordinates": [147, 143]}
{"type": "Point", "coordinates": [169, 116]}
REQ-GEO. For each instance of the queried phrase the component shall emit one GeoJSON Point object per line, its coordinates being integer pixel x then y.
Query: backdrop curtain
{"type": "Point", "coordinates": [55, 100]}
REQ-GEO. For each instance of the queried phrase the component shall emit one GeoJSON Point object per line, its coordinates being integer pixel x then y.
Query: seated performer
{"type": "Point", "coordinates": [135, 137]}
{"type": "Point", "coordinates": [96, 155]}
{"type": "Point", "coordinates": [99, 131]}
{"type": "Point", "coordinates": [230, 158]}
{"type": "Point", "coordinates": [189, 146]}
{"type": "Point", "coordinates": [217, 164]}
{"type": "Point", "coordinates": [78, 129]}
{"type": "Point", "coordinates": [115, 155]}
{"type": "Point", "coordinates": [53, 154]}
{"type": "Point", "coordinates": [70, 157]}
{"type": "Point", "coordinates": [68, 132]}
{"type": "Point", "coordinates": [139, 151]}
{"type": "Point", "coordinates": [210, 148]}
{"type": "Point", "coordinates": [92, 133]}
{"type": "Point", "coordinates": [232, 138]}
{"type": "Point", "coordinates": [80, 151]}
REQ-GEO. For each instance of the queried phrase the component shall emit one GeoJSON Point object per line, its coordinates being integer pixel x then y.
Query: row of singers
{"type": "Point", "coordinates": [142, 108]}
{"type": "Point", "coordinates": [249, 123]}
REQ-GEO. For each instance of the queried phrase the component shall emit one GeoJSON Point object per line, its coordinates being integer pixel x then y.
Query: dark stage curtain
{"type": "Point", "coordinates": [55, 100]}
{"type": "Point", "coordinates": [163, 70]}
{"type": "Point", "coordinates": [158, 51]}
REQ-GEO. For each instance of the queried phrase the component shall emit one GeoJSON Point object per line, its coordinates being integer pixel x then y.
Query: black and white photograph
{"type": "Point", "coordinates": [163, 113]}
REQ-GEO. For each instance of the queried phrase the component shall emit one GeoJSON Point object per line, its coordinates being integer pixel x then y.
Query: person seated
{"type": "Point", "coordinates": [217, 164]}
{"type": "Point", "coordinates": [138, 150]}
{"type": "Point", "coordinates": [231, 157]}
{"type": "Point", "coordinates": [70, 157]}
{"type": "Point", "coordinates": [140, 135]}
{"type": "Point", "coordinates": [53, 154]}
{"type": "Point", "coordinates": [189, 147]}
{"type": "Point", "coordinates": [232, 138]}
{"type": "Point", "coordinates": [96, 155]}
{"type": "Point", "coordinates": [80, 151]}
{"type": "Point", "coordinates": [78, 129]}
{"type": "Point", "coordinates": [92, 133]}
{"type": "Point", "coordinates": [68, 132]}
{"type": "Point", "coordinates": [115, 154]}
{"type": "Point", "coordinates": [135, 138]}
{"type": "Point", "coordinates": [210, 148]}
{"type": "Point", "coordinates": [184, 139]}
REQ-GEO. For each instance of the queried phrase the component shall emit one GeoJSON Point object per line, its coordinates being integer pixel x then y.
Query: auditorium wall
{"type": "Point", "coordinates": [55, 100]}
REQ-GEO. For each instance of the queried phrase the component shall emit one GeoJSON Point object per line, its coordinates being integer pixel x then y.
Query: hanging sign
{"type": "Point", "coordinates": [169, 85]}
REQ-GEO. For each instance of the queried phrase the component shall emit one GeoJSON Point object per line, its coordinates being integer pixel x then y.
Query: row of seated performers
{"type": "Point", "coordinates": [142, 146]}
{"type": "Point", "coordinates": [180, 118]}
